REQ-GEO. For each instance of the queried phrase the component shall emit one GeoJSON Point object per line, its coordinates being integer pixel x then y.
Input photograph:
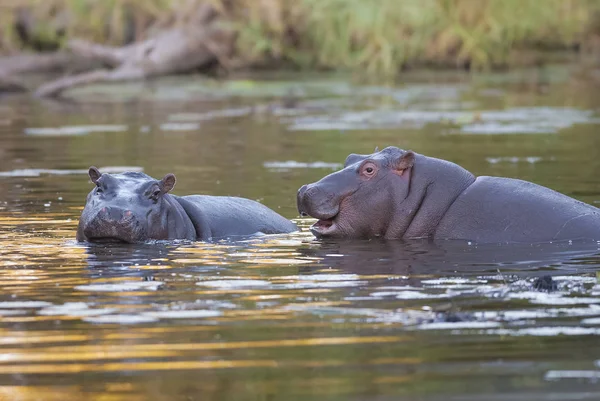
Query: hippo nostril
{"type": "Point", "coordinates": [310, 189]}
{"type": "Point", "coordinates": [110, 213]}
{"type": "Point", "coordinates": [300, 200]}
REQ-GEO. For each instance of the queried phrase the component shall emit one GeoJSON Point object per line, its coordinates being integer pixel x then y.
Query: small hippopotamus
{"type": "Point", "coordinates": [398, 194]}
{"type": "Point", "coordinates": [134, 207]}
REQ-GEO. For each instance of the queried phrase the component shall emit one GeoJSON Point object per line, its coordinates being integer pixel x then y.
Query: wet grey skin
{"type": "Point", "coordinates": [400, 194]}
{"type": "Point", "coordinates": [133, 207]}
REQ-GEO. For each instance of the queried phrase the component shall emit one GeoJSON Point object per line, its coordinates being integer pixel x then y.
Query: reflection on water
{"type": "Point", "coordinates": [285, 316]}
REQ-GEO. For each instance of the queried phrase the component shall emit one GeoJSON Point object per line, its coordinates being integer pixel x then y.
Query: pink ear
{"type": "Point", "coordinates": [94, 174]}
{"type": "Point", "coordinates": [167, 183]}
{"type": "Point", "coordinates": [405, 162]}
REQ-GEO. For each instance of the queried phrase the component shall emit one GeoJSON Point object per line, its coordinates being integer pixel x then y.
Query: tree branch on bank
{"type": "Point", "coordinates": [9, 84]}
{"type": "Point", "coordinates": [175, 51]}
{"type": "Point", "coordinates": [44, 62]}
{"type": "Point", "coordinates": [197, 42]}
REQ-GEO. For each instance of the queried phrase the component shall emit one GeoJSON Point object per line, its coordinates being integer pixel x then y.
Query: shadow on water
{"type": "Point", "coordinates": [286, 317]}
{"type": "Point", "coordinates": [116, 256]}
{"type": "Point", "coordinates": [426, 257]}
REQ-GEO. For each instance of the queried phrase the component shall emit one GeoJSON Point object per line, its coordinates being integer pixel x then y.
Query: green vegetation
{"type": "Point", "coordinates": [373, 37]}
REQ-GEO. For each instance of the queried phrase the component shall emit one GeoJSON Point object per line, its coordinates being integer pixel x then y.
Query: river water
{"type": "Point", "coordinates": [287, 317]}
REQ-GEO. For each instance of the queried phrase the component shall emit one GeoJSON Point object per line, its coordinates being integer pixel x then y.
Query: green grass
{"type": "Point", "coordinates": [375, 38]}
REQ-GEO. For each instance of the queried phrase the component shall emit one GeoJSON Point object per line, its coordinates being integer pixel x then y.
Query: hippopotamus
{"type": "Point", "coordinates": [134, 207]}
{"type": "Point", "coordinates": [400, 194]}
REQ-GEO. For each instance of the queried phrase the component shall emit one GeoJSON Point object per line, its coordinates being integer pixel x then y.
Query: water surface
{"type": "Point", "coordinates": [286, 317]}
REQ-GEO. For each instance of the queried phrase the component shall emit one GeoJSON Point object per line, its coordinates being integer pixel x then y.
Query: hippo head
{"type": "Point", "coordinates": [129, 207]}
{"type": "Point", "coordinates": [358, 201]}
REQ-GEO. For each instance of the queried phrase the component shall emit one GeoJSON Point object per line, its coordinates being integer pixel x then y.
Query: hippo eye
{"type": "Point", "coordinates": [155, 194]}
{"type": "Point", "coordinates": [369, 169]}
{"type": "Point", "coordinates": [98, 188]}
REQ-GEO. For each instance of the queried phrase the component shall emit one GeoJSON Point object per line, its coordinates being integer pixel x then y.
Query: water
{"type": "Point", "coordinates": [286, 317]}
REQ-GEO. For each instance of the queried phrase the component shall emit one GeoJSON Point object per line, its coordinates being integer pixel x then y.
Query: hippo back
{"type": "Point", "coordinates": [495, 209]}
{"type": "Point", "coordinates": [223, 216]}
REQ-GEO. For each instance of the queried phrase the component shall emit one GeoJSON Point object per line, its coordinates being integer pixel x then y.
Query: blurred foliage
{"type": "Point", "coordinates": [382, 36]}
{"type": "Point", "coordinates": [377, 38]}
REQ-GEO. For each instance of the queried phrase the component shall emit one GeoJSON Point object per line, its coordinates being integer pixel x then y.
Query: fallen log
{"type": "Point", "coordinates": [194, 41]}
{"type": "Point", "coordinates": [10, 84]}
{"type": "Point", "coordinates": [42, 63]}
{"type": "Point", "coordinates": [179, 50]}
{"type": "Point", "coordinates": [186, 47]}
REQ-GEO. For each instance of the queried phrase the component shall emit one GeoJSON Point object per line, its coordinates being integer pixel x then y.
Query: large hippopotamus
{"type": "Point", "coordinates": [134, 207]}
{"type": "Point", "coordinates": [397, 194]}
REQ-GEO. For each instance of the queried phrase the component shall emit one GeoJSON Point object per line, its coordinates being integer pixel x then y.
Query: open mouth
{"type": "Point", "coordinates": [106, 240]}
{"type": "Point", "coordinates": [324, 226]}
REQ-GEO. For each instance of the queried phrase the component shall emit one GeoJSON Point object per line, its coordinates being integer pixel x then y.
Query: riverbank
{"type": "Point", "coordinates": [375, 40]}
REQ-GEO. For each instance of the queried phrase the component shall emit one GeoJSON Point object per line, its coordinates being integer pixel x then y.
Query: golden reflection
{"type": "Point", "coordinates": [141, 349]}
{"type": "Point", "coordinates": [16, 222]}
{"type": "Point", "coordinates": [120, 387]}
{"type": "Point", "coordinates": [152, 267]}
{"type": "Point", "coordinates": [29, 319]}
{"type": "Point", "coordinates": [46, 356]}
{"type": "Point", "coordinates": [274, 261]}
{"type": "Point", "coordinates": [283, 325]}
{"type": "Point", "coordinates": [53, 215]}
{"type": "Point", "coordinates": [56, 338]}
{"type": "Point", "coordinates": [203, 248]}
{"type": "Point", "coordinates": [68, 393]}
{"type": "Point", "coordinates": [66, 233]}
{"type": "Point", "coordinates": [266, 297]}
{"type": "Point", "coordinates": [291, 240]}
{"type": "Point", "coordinates": [135, 366]}
{"type": "Point", "coordinates": [51, 264]}
{"type": "Point", "coordinates": [226, 292]}
{"type": "Point", "coordinates": [55, 281]}
{"type": "Point", "coordinates": [204, 260]}
{"type": "Point", "coordinates": [260, 316]}
{"type": "Point", "coordinates": [182, 365]}
{"type": "Point", "coordinates": [15, 263]}
{"type": "Point", "coordinates": [305, 305]}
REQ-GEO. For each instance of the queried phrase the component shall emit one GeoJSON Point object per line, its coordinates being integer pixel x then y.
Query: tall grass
{"type": "Point", "coordinates": [381, 36]}
{"type": "Point", "coordinates": [373, 37]}
{"type": "Point", "coordinates": [106, 21]}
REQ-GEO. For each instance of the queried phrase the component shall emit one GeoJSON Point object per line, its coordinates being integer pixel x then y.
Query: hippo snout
{"type": "Point", "coordinates": [112, 213]}
{"type": "Point", "coordinates": [316, 202]}
{"type": "Point", "coordinates": [299, 198]}
{"type": "Point", "coordinates": [112, 223]}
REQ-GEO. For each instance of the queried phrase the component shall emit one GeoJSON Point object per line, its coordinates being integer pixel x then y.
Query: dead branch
{"type": "Point", "coordinates": [56, 87]}
{"type": "Point", "coordinates": [27, 63]}
{"type": "Point", "coordinates": [10, 84]}
{"type": "Point", "coordinates": [196, 41]}
{"type": "Point", "coordinates": [179, 50]}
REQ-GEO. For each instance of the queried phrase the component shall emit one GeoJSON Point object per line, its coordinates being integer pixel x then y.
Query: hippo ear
{"type": "Point", "coordinates": [94, 174]}
{"type": "Point", "coordinates": [167, 183]}
{"type": "Point", "coordinates": [405, 162]}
